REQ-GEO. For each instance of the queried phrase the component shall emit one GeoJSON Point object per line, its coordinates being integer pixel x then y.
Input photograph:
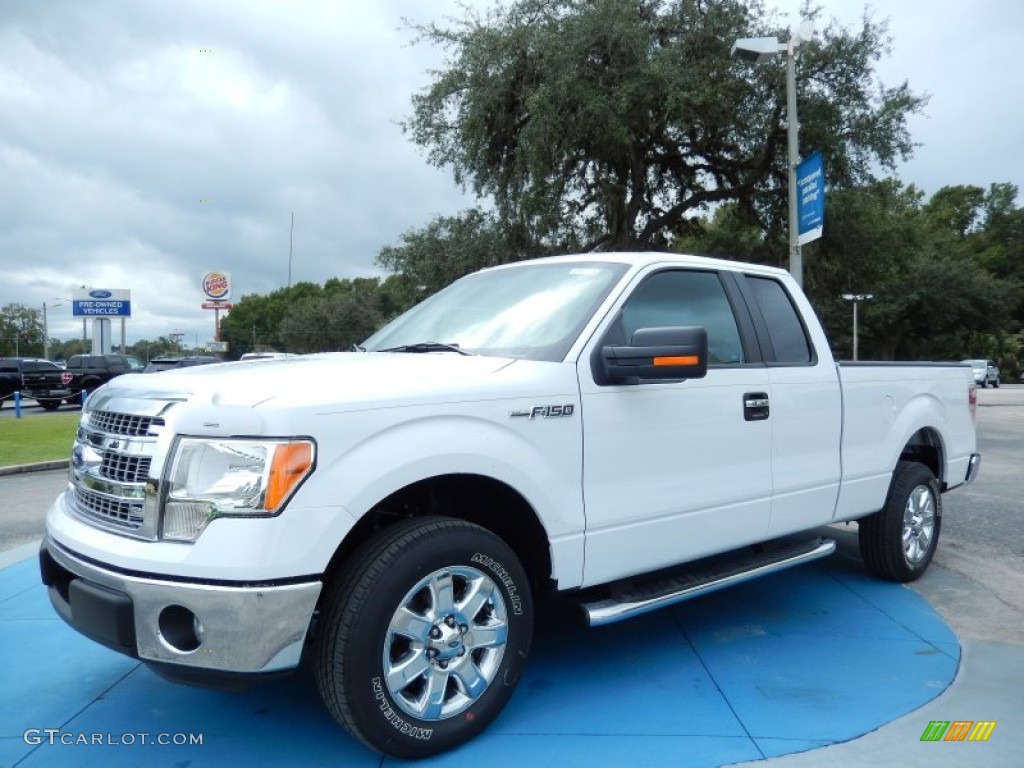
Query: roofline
{"type": "Point", "coordinates": [641, 259]}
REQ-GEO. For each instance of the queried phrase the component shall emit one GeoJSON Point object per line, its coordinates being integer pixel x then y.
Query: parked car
{"type": "Point", "coordinates": [985, 372]}
{"type": "Point", "coordinates": [158, 364]}
{"type": "Point", "coordinates": [35, 378]}
{"type": "Point", "coordinates": [266, 356]}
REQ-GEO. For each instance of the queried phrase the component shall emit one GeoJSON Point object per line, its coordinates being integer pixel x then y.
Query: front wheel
{"type": "Point", "coordinates": [423, 636]}
{"type": "Point", "coordinates": [898, 542]}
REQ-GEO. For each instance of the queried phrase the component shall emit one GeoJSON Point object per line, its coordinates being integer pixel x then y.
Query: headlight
{"type": "Point", "coordinates": [212, 478]}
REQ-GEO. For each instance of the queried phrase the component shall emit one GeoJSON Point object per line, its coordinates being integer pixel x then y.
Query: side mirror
{"type": "Point", "coordinates": [658, 354]}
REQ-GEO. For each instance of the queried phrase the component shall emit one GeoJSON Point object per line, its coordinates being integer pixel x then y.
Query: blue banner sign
{"type": "Point", "coordinates": [100, 302]}
{"type": "Point", "coordinates": [810, 198]}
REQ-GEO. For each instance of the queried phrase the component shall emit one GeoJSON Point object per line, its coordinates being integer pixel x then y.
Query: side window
{"type": "Point", "coordinates": [784, 327]}
{"type": "Point", "coordinates": [682, 298]}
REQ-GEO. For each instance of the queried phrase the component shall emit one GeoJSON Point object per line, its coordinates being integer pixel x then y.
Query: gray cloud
{"type": "Point", "coordinates": [115, 123]}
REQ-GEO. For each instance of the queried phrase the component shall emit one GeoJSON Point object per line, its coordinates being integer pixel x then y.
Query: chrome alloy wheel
{"type": "Point", "coordinates": [918, 524]}
{"type": "Point", "coordinates": [445, 643]}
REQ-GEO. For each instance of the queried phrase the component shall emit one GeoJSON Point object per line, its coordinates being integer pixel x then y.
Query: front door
{"type": "Point", "coordinates": [673, 471]}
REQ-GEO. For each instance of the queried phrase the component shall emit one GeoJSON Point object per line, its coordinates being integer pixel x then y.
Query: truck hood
{"type": "Point", "coordinates": [340, 380]}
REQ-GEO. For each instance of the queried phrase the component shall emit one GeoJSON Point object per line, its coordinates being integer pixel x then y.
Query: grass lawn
{"type": "Point", "coordinates": [39, 437]}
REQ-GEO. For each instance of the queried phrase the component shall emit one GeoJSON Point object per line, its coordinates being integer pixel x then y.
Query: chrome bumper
{"type": "Point", "coordinates": [973, 467]}
{"type": "Point", "coordinates": [231, 629]}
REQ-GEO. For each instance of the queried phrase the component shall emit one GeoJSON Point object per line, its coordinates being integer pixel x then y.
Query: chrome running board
{"type": "Point", "coordinates": [647, 597]}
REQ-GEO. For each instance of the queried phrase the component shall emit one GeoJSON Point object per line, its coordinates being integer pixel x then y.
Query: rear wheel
{"type": "Point", "coordinates": [898, 542]}
{"type": "Point", "coordinates": [423, 636]}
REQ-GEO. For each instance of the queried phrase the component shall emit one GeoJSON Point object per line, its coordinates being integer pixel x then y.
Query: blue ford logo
{"type": "Point", "coordinates": [100, 294]}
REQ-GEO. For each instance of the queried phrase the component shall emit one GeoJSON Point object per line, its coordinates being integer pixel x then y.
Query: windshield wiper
{"type": "Point", "coordinates": [427, 346]}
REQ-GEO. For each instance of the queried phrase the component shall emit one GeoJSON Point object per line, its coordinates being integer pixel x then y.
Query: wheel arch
{"type": "Point", "coordinates": [925, 446]}
{"type": "Point", "coordinates": [484, 501]}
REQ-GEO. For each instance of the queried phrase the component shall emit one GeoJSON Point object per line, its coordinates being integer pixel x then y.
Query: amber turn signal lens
{"type": "Point", "coordinates": [687, 360]}
{"type": "Point", "coordinates": [290, 464]}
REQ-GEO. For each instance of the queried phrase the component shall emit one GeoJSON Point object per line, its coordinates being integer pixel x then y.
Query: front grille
{"type": "Point", "coordinates": [128, 424]}
{"type": "Point", "coordinates": [124, 514]}
{"type": "Point", "coordinates": [124, 469]}
{"type": "Point", "coordinates": [115, 453]}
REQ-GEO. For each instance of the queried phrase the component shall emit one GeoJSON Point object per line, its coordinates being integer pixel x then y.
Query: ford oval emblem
{"type": "Point", "coordinates": [100, 294]}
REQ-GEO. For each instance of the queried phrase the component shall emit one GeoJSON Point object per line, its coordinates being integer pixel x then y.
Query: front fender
{"type": "Point", "coordinates": [540, 459]}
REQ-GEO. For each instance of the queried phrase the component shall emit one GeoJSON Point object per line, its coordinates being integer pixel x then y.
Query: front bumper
{"type": "Point", "coordinates": [220, 628]}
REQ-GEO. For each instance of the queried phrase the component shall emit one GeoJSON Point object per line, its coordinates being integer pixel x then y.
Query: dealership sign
{"type": "Point", "coordinates": [101, 302]}
{"type": "Point", "coordinates": [216, 286]}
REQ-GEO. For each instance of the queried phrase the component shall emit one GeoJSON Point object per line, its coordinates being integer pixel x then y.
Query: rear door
{"type": "Point", "coordinates": [806, 406]}
{"type": "Point", "coordinates": [675, 470]}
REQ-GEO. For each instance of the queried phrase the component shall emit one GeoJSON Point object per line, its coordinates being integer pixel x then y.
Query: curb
{"type": "Point", "coordinates": [42, 466]}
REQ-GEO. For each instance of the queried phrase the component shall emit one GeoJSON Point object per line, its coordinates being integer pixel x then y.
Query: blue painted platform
{"type": "Point", "coordinates": [805, 658]}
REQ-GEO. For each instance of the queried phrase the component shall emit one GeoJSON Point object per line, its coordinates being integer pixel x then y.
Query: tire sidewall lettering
{"type": "Point", "coordinates": [503, 577]}
{"type": "Point", "coordinates": [395, 719]}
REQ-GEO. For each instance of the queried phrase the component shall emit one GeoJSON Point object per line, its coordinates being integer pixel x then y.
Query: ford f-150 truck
{"type": "Point", "coordinates": [41, 380]}
{"type": "Point", "coordinates": [630, 430]}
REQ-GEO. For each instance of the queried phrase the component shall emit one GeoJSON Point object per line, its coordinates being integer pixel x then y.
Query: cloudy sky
{"type": "Point", "coordinates": [120, 119]}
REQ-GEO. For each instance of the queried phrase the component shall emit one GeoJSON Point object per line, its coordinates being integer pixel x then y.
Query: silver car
{"type": "Point", "coordinates": [985, 372]}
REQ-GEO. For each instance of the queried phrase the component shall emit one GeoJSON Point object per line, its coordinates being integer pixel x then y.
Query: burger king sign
{"type": "Point", "coordinates": [217, 286]}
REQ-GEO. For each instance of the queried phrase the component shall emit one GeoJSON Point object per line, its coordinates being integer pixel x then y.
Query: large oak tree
{"type": "Point", "coordinates": [607, 124]}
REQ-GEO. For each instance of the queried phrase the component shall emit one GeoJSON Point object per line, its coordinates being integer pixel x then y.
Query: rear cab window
{"type": "Point", "coordinates": [782, 323]}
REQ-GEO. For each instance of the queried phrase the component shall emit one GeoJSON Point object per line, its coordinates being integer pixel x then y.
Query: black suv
{"type": "Point", "coordinates": [91, 371]}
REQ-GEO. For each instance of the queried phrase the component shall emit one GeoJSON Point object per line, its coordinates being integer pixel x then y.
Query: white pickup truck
{"type": "Point", "coordinates": [630, 429]}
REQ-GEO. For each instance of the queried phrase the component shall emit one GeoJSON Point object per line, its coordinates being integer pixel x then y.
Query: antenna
{"type": "Point", "coordinates": [290, 233]}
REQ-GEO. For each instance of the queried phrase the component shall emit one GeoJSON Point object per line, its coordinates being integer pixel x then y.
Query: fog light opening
{"type": "Point", "coordinates": [180, 628]}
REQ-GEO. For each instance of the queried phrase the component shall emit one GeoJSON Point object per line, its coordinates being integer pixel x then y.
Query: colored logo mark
{"type": "Point", "coordinates": [958, 730]}
{"type": "Point", "coordinates": [216, 285]}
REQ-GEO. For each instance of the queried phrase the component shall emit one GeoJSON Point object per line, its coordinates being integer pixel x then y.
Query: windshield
{"type": "Point", "coordinates": [532, 312]}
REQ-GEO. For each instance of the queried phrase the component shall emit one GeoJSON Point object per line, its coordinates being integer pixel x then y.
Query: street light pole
{"type": "Point", "coordinates": [856, 298]}
{"type": "Point", "coordinates": [46, 335]}
{"type": "Point", "coordinates": [760, 49]}
{"type": "Point", "coordinates": [796, 262]}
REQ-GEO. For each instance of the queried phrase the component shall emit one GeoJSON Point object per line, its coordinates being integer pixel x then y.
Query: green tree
{"type": "Point", "coordinates": [448, 248]}
{"type": "Point", "coordinates": [21, 331]}
{"type": "Point", "coordinates": [608, 123]}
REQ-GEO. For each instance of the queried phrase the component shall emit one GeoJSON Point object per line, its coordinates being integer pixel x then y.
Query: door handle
{"type": "Point", "coordinates": [755, 406]}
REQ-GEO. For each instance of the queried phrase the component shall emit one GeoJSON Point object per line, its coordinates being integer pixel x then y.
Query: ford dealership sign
{"type": "Point", "coordinates": [101, 302]}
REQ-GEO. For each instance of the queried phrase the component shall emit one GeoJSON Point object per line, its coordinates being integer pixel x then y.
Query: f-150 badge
{"type": "Point", "coordinates": [544, 412]}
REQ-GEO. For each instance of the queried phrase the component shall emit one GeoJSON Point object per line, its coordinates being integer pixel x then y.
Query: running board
{"type": "Point", "coordinates": [647, 597]}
